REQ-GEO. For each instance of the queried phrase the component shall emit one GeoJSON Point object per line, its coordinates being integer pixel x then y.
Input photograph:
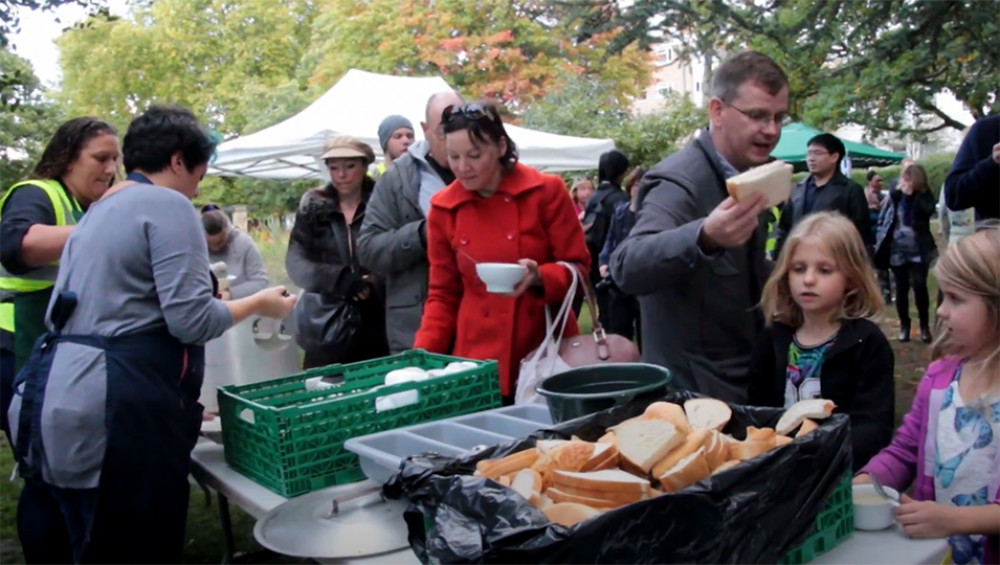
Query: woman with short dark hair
{"type": "Point", "coordinates": [105, 412]}
{"type": "Point", "coordinates": [38, 215]}
{"type": "Point", "coordinates": [496, 211]}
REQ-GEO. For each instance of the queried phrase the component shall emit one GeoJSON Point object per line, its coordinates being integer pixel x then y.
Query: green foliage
{"type": "Point", "coordinates": [938, 166]}
{"type": "Point", "coordinates": [27, 119]}
{"type": "Point", "coordinates": [512, 52]}
{"type": "Point", "coordinates": [585, 107]}
{"type": "Point", "coordinates": [875, 62]}
{"type": "Point", "coordinates": [226, 61]}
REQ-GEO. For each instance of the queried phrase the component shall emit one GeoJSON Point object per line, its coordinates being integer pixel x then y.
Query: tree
{"type": "Point", "coordinates": [875, 62]}
{"type": "Point", "coordinates": [513, 52]}
{"type": "Point", "coordinates": [222, 58]}
{"type": "Point", "coordinates": [585, 107]}
{"type": "Point", "coordinates": [27, 119]}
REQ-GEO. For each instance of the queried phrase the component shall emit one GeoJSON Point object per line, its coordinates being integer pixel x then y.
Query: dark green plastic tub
{"type": "Point", "coordinates": [586, 390]}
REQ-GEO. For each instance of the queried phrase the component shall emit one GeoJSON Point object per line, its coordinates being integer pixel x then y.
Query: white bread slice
{"type": "Point", "coordinates": [612, 480]}
{"type": "Point", "coordinates": [686, 472]}
{"type": "Point", "coordinates": [707, 413]}
{"type": "Point", "coordinates": [773, 179]}
{"type": "Point", "coordinates": [571, 456]}
{"type": "Point", "coordinates": [815, 408]}
{"type": "Point", "coordinates": [609, 437]}
{"type": "Point", "coordinates": [527, 482]}
{"type": "Point", "coordinates": [806, 427]}
{"type": "Point", "coordinates": [569, 514]}
{"type": "Point", "coordinates": [605, 457]}
{"type": "Point", "coordinates": [644, 442]}
{"type": "Point", "coordinates": [693, 441]}
{"type": "Point", "coordinates": [557, 495]}
{"type": "Point", "coordinates": [669, 412]}
{"type": "Point", "coordinates": [716, 451]}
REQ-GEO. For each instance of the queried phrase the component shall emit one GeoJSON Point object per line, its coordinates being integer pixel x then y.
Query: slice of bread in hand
{"type": "Point", "coordinates": [773, 180]}
{"type": "Point", "coordinates": [815, 408]}
{"type": "Point", "coordinates": [686, 472]}
{"type": "Point", "coordinates": [806, 427]}
{"type": "Point", "coordinates": [669, 412]}
{"type": "Point", "coordinates": [707, 413]}
{"type": "Point", "coordinates": [610, 480]}
{"type": "Point", "coordinates": [693, 441]}
{"type": "Point", "coordinates": [644, 442]}
{"type": "Point", "coordinates": [569, 514]}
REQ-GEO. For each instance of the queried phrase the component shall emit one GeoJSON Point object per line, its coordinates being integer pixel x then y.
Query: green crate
{"type": "Point", "coordinates": [834, 523]}
{"type": "Point", "coordinates": [291, 440]}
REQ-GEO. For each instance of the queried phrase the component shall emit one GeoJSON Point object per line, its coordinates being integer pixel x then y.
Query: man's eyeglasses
{"type": "Point", "coordinates": [761, 117]}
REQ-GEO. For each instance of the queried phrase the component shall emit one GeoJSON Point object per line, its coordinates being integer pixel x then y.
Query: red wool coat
{"type": "Point", "coordinates": [530, 216]}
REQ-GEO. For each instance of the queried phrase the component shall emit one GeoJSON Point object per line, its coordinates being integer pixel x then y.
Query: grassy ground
{"type": "Point", "coordinates": [205, 542]}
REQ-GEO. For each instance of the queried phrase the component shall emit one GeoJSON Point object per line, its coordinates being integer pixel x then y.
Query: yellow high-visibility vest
{"type": "Point", "coordinates": [65, 209]}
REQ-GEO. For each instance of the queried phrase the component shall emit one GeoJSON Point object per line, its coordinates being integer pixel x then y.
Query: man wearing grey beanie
{"type": "Point", "coordinates": [395, 134]}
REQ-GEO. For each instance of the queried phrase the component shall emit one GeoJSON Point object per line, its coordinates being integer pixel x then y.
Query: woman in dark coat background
{"type": "Point", "coordinates": [906, 244]}
{"type": "Point", "coordinates": [321, 252]}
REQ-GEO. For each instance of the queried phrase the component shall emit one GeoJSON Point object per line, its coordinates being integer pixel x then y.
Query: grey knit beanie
{"type": "Point", "coordinates": [389, 125]}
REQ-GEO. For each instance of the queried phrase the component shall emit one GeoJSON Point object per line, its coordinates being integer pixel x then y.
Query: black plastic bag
{"type": "Point", "coordinates": [755, 513]}
{"type": "Point", "coordinates": [328, 323]}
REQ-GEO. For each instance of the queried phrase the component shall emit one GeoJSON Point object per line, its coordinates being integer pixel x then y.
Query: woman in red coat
{"type": "Point", "coordinates": [496, 211]}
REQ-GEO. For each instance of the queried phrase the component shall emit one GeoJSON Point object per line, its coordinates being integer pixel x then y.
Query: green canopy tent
{"type": "Point", "coordinates": [795, 136]}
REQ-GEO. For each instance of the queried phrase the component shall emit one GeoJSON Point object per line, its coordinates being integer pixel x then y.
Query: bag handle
{"type": "Point", "coordinates": [600, 337]}
{"type": "Point", "coordinates": [554, 338]}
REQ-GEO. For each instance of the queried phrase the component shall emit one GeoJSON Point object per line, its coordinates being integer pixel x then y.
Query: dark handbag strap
{"type": "Point", "coordinates": [600, 337]}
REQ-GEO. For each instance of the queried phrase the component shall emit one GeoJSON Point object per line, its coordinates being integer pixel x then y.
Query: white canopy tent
{"type": "Point", "coordinates": [355, 106]}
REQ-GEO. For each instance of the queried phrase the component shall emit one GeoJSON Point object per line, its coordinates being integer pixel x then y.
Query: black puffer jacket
{"type": "Point", "coordinates": [322, 258]}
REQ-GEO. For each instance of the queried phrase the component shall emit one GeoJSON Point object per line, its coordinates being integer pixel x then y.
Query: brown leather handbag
{"type": "Point", "coordinates": [598, 346]}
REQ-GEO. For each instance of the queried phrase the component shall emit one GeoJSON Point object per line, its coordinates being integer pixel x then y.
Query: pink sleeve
{"type": "Point", "coordinates": [896, 465]}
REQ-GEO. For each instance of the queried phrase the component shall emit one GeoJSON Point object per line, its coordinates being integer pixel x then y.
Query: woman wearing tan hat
{"type": "Point", "coordinates": [340, 318]}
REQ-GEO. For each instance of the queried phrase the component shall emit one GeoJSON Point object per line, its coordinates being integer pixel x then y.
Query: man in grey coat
{"type": "Point", "coordinates": [393, 240]}
{"type": "Point", "coordinates": [695, 257]}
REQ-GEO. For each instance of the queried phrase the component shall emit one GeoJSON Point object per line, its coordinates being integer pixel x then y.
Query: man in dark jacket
{"type": "Point", "coordinates": [695, 257]}
{"type": "Point", "coordinates": [826, 189]}
{"type": "Point", "coordinates": [393, 239]}
{"type": "Point", "coordinates": [974, 180]}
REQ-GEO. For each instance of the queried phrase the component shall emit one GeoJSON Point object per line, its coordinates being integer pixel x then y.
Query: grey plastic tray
{"type": "Point", "coordinates": [380, 454]}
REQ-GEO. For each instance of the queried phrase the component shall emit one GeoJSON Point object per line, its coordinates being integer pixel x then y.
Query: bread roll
{"type": "Point", "coordinates": [669, 412]}
{"type": "Point", "coordinates": [686, 472]}
{"type": "Point", "coordinates": [694, 440]}
{"type": "Point", "coordinates": [815, 408]}
{"type": "Point", "coordinates": [569, 514]}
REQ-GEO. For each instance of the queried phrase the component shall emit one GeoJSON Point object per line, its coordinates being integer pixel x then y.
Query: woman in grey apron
{"type": "Point", "coordinates": [105, 413]}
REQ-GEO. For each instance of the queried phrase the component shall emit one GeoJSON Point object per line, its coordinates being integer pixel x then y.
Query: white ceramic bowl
{"type": "Point", "coordinates": [500, 277]}
{"type": "Point", "coordinates": [871, 511]}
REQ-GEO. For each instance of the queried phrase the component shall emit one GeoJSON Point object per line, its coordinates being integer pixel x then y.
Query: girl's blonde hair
{"type": "Point", "coordinates": [841, 240]}
{"type": "Point", "coordinates": [972, 265]}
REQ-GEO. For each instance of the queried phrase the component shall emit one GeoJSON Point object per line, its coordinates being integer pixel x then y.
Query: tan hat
{"type": "Point", "coordinates": [345, 147]}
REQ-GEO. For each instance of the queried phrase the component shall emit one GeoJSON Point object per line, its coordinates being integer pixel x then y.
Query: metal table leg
{"type": "Point", "coordinates": [227, 528]}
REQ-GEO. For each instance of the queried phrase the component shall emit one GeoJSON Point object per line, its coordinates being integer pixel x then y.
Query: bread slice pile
{"type": "Point", "coordinates": [666, 449]}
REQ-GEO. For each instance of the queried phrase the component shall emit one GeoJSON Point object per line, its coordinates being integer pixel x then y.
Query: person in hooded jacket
{"type": "Point", "coordinates": [322, 256]}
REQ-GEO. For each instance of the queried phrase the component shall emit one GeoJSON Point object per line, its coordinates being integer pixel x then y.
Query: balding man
{"type": "Point", "coordinates": [393, 240]}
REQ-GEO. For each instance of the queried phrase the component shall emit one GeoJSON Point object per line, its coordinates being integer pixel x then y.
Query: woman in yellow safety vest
{"type": "Point", "coordinates": [36, 218]}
